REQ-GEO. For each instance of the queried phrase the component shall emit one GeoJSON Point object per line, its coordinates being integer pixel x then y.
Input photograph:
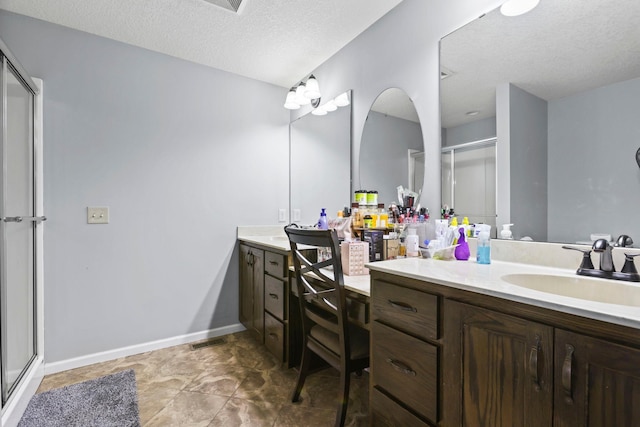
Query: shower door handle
{"type": "Point", "coordinates": [37, 219]}
{"type": "Point", "coordinates": [13, 219]}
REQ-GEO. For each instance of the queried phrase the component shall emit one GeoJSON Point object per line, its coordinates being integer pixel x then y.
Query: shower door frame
{"type": "Point", "coordinates": [29, 380]}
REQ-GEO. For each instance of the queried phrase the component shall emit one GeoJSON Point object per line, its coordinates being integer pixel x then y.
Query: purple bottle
{"type": "Point", "coordinates": [462, 250]}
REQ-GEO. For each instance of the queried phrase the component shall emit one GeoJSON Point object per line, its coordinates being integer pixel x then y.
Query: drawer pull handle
{"type": "Point", "coordinates": [401, 367]}
{"type": "Point", "coordinates": [533, 364]}
{"type": "Point", "coordinates": [274, 296]}
{"type": "Point", "coordinates": [402, 306]}
{"type": "Point", "coordinates": [567, 374]}
{"type": "Point", "coordinates": [273, 262]}
{"type": "Point", "coordinates": [273, 336]}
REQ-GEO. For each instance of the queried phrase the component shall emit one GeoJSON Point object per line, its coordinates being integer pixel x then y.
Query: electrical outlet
{"type": "Point", "coordinates": [296, 215]}
{"type": "Point", "coordinates": [282, 215]}
{"type": "Point", "coordinates": [97, 215]}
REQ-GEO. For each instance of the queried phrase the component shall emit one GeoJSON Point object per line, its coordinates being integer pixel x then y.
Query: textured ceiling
{"type": "Point", "coordinates": [275, 41]}
{"type": "Point", "coordinates": [559, 49]}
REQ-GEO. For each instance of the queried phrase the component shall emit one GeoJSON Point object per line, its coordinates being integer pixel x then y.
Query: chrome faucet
{"type": "Point", "coordinates": [603, 247]}
{"type": "Point", "coordinates": [607, 270]}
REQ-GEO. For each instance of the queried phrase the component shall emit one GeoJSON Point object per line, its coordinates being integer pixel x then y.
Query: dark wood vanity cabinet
{"type": "Point", "coordinates": [597, 383]}
{"type": "Point", "coordinates": [252, 290]}
{"type": "Point", "coordinates": [448, 357]}
{"type": "Point", "coordinates": [265, 300]}
{"type": "Point", "coordinates": [405, 355]}
{"type": "Point", "coordinates": [498, 370]}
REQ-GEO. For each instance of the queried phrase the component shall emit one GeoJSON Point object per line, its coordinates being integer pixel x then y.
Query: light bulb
{"type": "Point", "coordinates": [313, 89]}
{"type": "Point", "coordinates": [330, 106]}
{"type": "Point", "coordinates": [342, 100]}
{"type": "Point", "coordinates": [290, 103]}
{"type": "Point", "coordinates": [518, 7]}
{"type": "Point", "coordinates": [320, 111]}
{"type": "Point", "coordinates": [301, 99]}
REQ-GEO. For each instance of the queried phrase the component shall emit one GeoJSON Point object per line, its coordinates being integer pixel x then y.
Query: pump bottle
{"type": "Point", "coordinates": [322, 222]}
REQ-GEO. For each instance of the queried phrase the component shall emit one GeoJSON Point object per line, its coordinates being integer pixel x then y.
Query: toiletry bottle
{"type": "Point", "coordinates": [484, 244]}
{"type": "Point", "coordinates": [322, 222]}
{"type": "Point", "coordinates": [411, 242]}
{"type": "Point", "coordinates": [467, 227]}
{"type": "Point", "coordinates": [383, 217]}
{"type": "Point", "coordinates": [506, 232]}
{"type": "Point", "coordinates": [462, 250]}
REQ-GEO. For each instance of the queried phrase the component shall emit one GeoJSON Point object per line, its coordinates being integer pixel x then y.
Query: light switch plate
{"type": "Point", "coordinates": [97, 215]}
{"type": "Point", "coordinates": [296, 214]}
{"type": "Point", "coordinates": [282, 215]}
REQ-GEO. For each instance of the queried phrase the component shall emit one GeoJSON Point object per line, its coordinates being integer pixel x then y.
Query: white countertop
{"type": "Point", "coordinates": [487, 279]}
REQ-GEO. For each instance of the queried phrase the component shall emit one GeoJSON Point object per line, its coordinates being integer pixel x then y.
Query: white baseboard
{"type": "Point", "coordinates": [77, 362]}
{"type": "Point", "coordinates": [15, 407]}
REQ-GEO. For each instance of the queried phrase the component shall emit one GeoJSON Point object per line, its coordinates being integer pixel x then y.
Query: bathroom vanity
{"type": "Point", "coordinates": [485, 352]}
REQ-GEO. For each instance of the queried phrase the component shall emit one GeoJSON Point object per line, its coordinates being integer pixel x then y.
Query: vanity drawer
{"type": "Point", "coordinates": [407, 369]}
{"type": "Point", "coordinates": [275, 264]}
{"type": "Point", "coordinates": [409, 310]}
{"type": "Point", "coordinates": [274, 296]}
{"type": "Point", "coordinates": [274, 335]}
{"type": "Point", "coordinates": [386, 412]}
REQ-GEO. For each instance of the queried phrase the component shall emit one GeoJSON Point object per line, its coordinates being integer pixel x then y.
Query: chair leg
{"type": "Point", "coordinates": [344, 397]}
{"type": "Point", "coordinates": [302, 375]}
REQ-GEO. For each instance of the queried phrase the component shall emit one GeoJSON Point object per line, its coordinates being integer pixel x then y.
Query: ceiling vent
{"type": "Point", "coordinates": [232, 5]}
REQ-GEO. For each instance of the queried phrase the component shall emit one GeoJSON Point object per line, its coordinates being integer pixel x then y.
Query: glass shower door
{"type": "Point", "coordinates": [17, 230]}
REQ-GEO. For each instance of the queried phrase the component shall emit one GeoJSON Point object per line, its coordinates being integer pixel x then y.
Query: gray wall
{"type": "Point", "coordinates": [164, 144]}
{"type": "Point", "coordinates": [179, 160]}
{"type": "Point", "coordinates": [401, 51]}
{"type": "Point", "coordinates": [469, 132]}
{"type": "Point", "coordinates": [384, 154]}
{"type": "Point", "coordinates": [593, 175]}
{"type": "Point", "coordinates": [528, 147]}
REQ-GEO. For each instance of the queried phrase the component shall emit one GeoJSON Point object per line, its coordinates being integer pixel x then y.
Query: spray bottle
{"type": "Point", "coordinates": [322, 222]}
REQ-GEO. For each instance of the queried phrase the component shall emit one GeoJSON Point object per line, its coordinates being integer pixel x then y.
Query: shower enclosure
{"type": "Point", "coordinates": [20, 231]}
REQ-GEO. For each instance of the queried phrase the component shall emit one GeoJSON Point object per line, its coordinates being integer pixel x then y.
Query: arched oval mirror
{"type": "Point", "coordinates": [392, 148]}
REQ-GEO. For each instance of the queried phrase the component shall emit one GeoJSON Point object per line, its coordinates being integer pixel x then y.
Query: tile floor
{"type": "Point", "coordinates": [238, 383]}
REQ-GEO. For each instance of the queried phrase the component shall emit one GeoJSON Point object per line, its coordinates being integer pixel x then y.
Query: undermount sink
{"type": "Point", "coordinates": [279, 238]}
{"type": "Point", "coordinates": [597, 290]}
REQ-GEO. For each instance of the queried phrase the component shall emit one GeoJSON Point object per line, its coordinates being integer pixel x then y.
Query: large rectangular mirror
{"type": "Point", "coordinates": [320, 164]}
{"type": "Point", "coordinates": [560, 89]}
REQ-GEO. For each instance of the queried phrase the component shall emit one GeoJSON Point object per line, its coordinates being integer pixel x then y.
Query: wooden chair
{"type": "Point", "coordinates": [327, 332]}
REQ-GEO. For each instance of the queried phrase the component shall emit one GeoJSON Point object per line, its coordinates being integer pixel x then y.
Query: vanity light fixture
{"type": "Point", "coordinates": [518, 7]}
{"type": "Point", "coordinates": [304, 93]}
{"type": "Point", "coordinates": [342, 100]}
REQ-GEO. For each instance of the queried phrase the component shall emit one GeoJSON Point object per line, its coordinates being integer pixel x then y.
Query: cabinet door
{"type": "Point", "coordinates": [597, 383]}
{"type": "Point", "coordinates": [257, 257]}
{"type": "Point", "coordinates": [246, 287]}
{"type": "Point", "coordinates": [497, 369]}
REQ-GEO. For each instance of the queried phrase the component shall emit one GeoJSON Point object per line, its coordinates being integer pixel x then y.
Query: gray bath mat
{"type": "Point", "coordinates": [108, 401]}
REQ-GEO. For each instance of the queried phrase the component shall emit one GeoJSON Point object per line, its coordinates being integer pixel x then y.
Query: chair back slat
{"type": "Point", "coordinates": [320, 284]}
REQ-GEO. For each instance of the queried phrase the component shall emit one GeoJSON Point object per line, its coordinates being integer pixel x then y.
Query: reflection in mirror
{"type": "Point", "coordinates": [559, 88]}
{"type": "Point", "coordinates": [391, 151]}
{"type": "Point", "coordinates": [320, 164]}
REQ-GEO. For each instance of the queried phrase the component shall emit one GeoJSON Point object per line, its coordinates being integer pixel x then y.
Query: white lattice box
{"type": "Point", "coordinates": [354, 256]}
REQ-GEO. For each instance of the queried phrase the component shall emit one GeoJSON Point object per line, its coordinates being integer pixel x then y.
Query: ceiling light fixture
{"type": "Point", "coordinates": [342, 100]}
{"type": "Point", "coordinates": [305, 93]}
{"type": "Point", "coordinates": [518, 7]}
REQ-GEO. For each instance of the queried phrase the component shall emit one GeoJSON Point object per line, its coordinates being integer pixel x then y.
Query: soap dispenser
{"type": "Point", "coordinates": [462, 250]}
{"type": "Point", "coordinates": [484, 244]}
{"type": "Point", "coordinates": [322, 222]}
{"type": "Point", "coordinates": [506, 232]}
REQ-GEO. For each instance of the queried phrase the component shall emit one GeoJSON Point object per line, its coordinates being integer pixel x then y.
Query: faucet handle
{"type": "Point", "coordinates": [629, 266]}
{"type": "Point", "coordinates": [586, 257]}
{"type": "Point", "coordinates": [623, 241]}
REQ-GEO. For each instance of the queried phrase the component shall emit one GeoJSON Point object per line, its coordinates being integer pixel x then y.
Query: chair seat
{"type": "Point", "coordinates": [358, 340]}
